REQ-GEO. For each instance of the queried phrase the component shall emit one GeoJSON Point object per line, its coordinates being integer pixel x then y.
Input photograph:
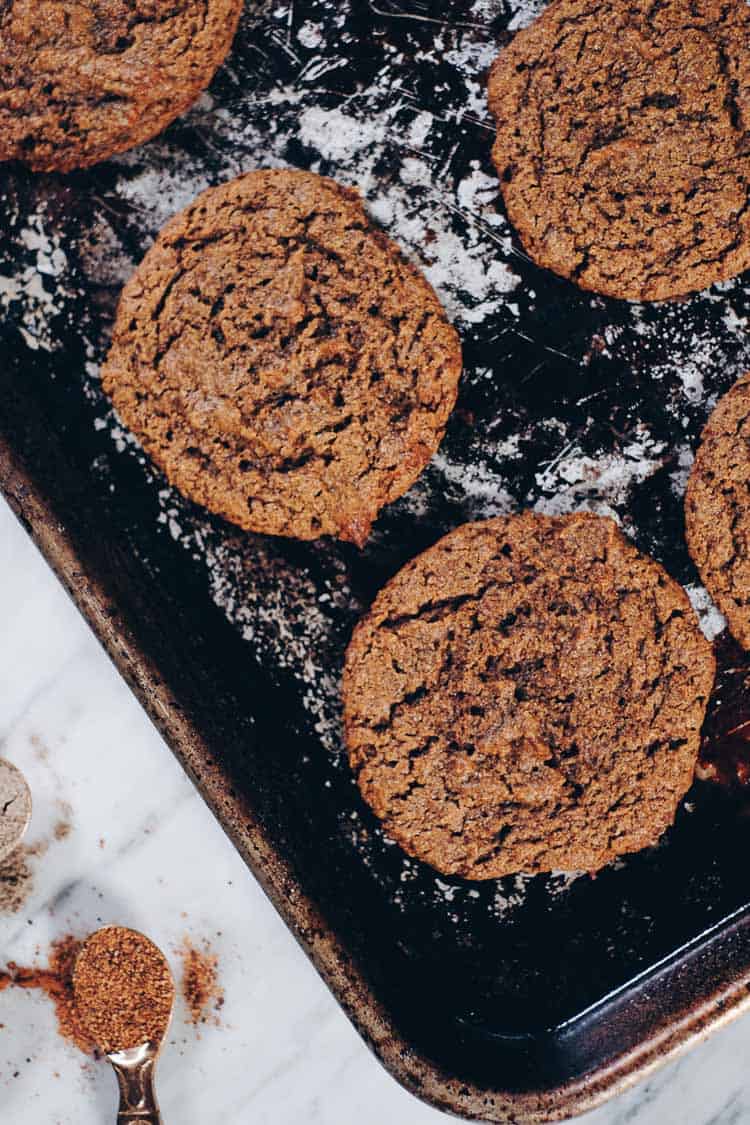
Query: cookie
{"type": "Point", "coordinates": [79, 82]}
{"type": "Point", "coordinates": [623, 143]}
{"type": "Point", "coordinates": [526, 696]}
{"type": "Point", "coordinates": [280, 361]}
{"type": "Point", "coordinates": [717, 509]}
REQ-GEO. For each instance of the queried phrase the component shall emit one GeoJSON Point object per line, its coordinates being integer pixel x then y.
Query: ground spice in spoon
{"type": "Point", "coordinates": [123, 989]}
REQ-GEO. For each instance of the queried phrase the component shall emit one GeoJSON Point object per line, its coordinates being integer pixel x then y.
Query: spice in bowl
{"type": "Point", "coordinates": [123, 989]}
{"type": "Point", "coordinates": [15, 807]}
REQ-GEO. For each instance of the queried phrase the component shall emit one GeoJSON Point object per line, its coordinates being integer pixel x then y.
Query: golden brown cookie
{"type": "Point", "coordinates": [526, 696]}
{"type": "Point", "coordinates": [81, 81]}
{"type": "Point", "coordinates": [623, 142]}
{"type": "Point", "coordinates": [279, 359]}
{"type": "Point", "coordinates": [717, 509]}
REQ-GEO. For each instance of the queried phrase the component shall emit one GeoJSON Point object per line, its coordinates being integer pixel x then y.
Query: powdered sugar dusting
{"type": "Point", "coordinates": [35, 297]}
{"type": "Point", "coordinates": [574, 481]}
{"type": "Point", "coordinates": [481, 488]}
{"type": "Point", "coordinates": [525, 13]}
{"type": "Point", "coordinates": [712, 622]}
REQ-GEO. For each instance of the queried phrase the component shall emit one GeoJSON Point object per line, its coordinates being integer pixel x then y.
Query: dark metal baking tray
{"type": "Point", "coordinates": [523, 999]}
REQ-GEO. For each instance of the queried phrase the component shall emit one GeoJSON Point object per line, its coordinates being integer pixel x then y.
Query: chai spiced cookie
{"type": "Point", "coordinates": [526, 696]}
{"type": "Point", "coordinates": [81, 81]}
{"type": "Point", "coordinates": [717, 509]}
{"type": "Point", "coordinates": [279, 359]}
{"type": "Point", "coordinates": [623, 142]}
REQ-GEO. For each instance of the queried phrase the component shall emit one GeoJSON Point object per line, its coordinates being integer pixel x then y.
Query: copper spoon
{"type": "Point", "coordinates": [133, 1066]}
{"type": "Point", "coordinates": [134, 1069]}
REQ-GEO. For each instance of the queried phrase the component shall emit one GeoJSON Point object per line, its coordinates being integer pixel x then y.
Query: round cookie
{"type": "Point", "coordinates": [623, 143]}
{"type": "Point", "coordinates": [717, 509]}
{"type": "Point", "coordinates": [280, 361]}
{"type": "Point", "coordinates": [81, 81]}
{"type": "Point", "coordinates": [526, 696]}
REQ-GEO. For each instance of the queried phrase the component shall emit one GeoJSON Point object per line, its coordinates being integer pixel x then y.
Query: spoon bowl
{"type": "Point", "coordinates": [124, 991]}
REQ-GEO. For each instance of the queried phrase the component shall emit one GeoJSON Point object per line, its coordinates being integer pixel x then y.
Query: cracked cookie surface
{"type": "Point", "coordinates": [717, 509]}
{"type": "Point", "coordinates": [280, 360]}
{"type": "Point", "coordinates": [79, 82]}
{"type": "Point", "coordinates": [527, 696]}
{"type": "Point", "coordinates": [623, 142]}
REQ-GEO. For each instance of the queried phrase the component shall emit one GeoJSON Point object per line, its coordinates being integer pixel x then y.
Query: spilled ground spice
{"type": "Point", "coordinates": [123, 989]}
{"type": "Point", "coordinates": [62, 830]}
{"type": "Point", "coordinates": [200, 982]}
{"type": "Point", "coordinates": [16, 873]}
{"type": "Point", "coordinates": [121, 992]}
{"type": "Point", "coordinates": [56, 982]}
{"type": "Point", "coordinates": [16, 881]}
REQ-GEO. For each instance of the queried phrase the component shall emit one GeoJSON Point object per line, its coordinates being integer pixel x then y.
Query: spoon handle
{"type": "Point", "coordinates": [138, 1105]}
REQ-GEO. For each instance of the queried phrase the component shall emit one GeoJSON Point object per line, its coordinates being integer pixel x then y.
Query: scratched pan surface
{"type": "Point", "coordinates": [493, 999]}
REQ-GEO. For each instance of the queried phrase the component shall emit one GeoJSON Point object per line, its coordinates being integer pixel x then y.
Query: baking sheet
{"type": "Point", "coordinates": [568, 401]}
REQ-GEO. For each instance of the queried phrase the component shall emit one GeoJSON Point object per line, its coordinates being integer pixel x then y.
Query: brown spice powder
{"type": "Point", "coordinates": [16, 881]}
{"type": "Point", "coordinates": [56, 982]}
{"type": "Point", "coordinates": [200, 988]}
{"type": "Point", "coordinates": [62, 830]}
{"type": "Point", "coordinates": [123, 989]}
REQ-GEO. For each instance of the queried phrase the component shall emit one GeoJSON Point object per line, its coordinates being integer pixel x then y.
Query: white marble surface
{"type": "Point", "coordinates": [284, 1053]}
